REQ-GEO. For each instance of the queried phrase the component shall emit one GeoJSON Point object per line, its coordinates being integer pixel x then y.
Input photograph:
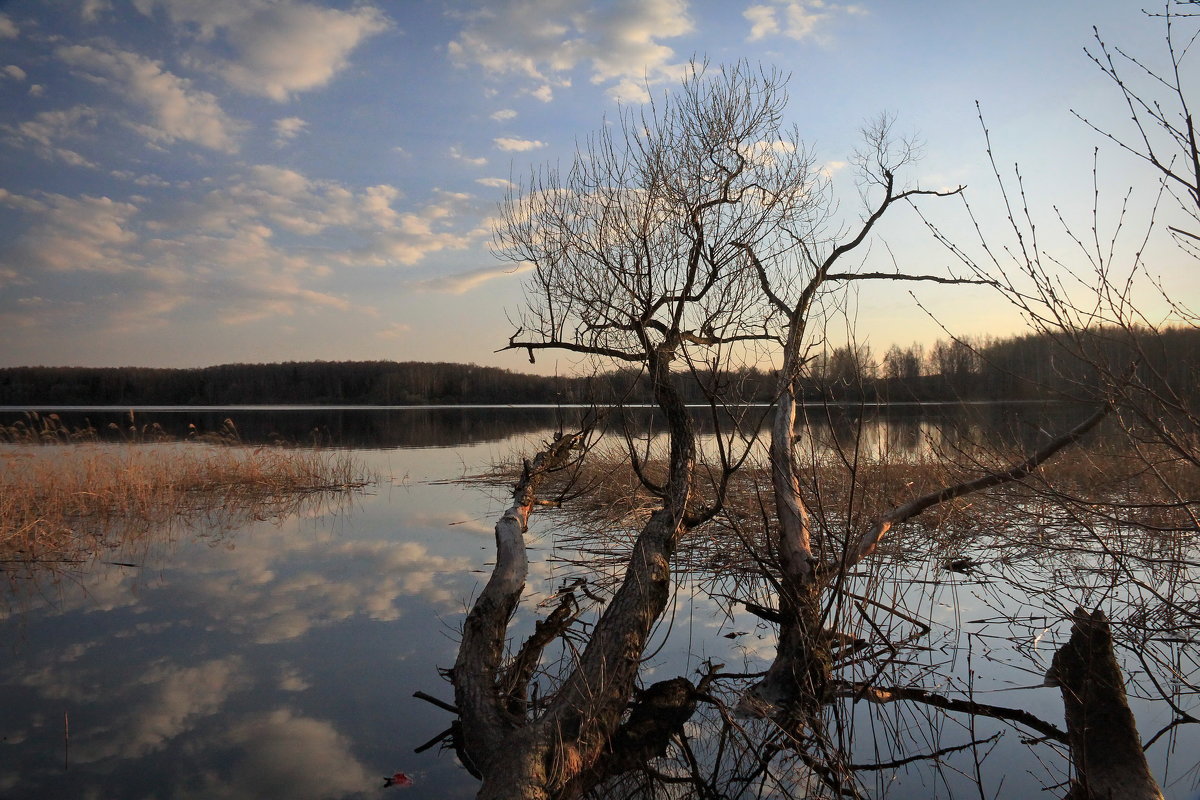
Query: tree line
{"type": "Point", "coordinates": [1028, 367]}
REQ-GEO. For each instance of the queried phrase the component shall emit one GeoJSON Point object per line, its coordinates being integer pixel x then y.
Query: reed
{"type": "Point", "coordinates": [1104, 498]}
{"type": "Point", "coordinates": [75, 501]}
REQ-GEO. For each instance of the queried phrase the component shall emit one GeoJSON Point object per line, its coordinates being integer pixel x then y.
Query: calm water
{"type": "Point", "coordinates": [280, 659]}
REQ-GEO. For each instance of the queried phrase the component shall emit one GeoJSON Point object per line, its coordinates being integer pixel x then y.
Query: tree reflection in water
{"type": "Point", "coordinates": [939, 647]}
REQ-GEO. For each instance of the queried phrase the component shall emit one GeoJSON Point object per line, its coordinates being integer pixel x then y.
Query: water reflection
{"type": "Point", "coordinates": [906, 428]}
{"type": "Point", "coordinates": [280, 659]}
{"type": "Point", "coordinates": [276, 660]}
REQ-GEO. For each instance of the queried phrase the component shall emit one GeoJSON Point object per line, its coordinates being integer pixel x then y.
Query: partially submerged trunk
{"type": "Point", "coordinates": [576, 737]}
{"type": "Point", "coordinates": [1105, 747]}
{"type": "Point", "coordinates": [487, 726]}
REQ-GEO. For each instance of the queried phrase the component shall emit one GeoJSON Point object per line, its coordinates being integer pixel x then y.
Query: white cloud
{"type": "Point", "coordinates": [763, 22]}
{"type": "Point", "coordinates": [84, 234]}
{"type": "Point", "coordinates": [47, 131]}
{"type": "Point", "coordinates": [160, 704]}
{"type": "Point", "coordinates": [766, 152]}
{"type": "Point", "coordinates": [177, 110]}
{"type": "Point", "coordinates": [544, 41]}
{"type": "Point", "coordinates": [288, 128]}
{"type": "Point", "coordinates": [241, 252]}
{"type": "Point", "coordinates": [495, 183]}
{"type": "Point", "coordinates": [281, 754]}
{"type": "Point", "coordinates": [8, 29]}
{"type": "Point", "coordinates": [280, 48]}
{"type": "Point", "coordinates": [797, 19]}
{"type": "Point", "coordinates": [466, 281]}
{"type": "Point", "coordinates": [166, 702]}
{"type": "Point", "coordinates": [37, 90]}
{"type": "Point", "coordinates": [428, 229]}
{"type": "Point", "coordinates": [543, 93]}
{"type": "Point", "coordinates": [91, 10]}
{"type": "Point", "coordinates": [14, 72]}
{"type": "Point", "coordinates": [504, 115]}
{"type": "Point", "coordinates": [518, 145]}
{"type": "Point", "coordinates": [457, 154]}
{"type": "Point", "coordinates": [208, 17]}
{"type": "Point", "coordinates": [832, 167]}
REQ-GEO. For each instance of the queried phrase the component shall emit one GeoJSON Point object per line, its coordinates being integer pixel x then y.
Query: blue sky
{"type": "Point", "coordinates": [185, 183]}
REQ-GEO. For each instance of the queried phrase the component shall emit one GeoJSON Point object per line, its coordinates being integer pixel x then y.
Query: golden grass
{"type": "Point", "coordinates": [1107, 487]}
{"type": "Point", "coordinates": [74, 501]}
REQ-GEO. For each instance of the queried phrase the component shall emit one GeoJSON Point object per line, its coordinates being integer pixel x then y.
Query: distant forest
{"type": "Point", "coordinates": [1019, 368]}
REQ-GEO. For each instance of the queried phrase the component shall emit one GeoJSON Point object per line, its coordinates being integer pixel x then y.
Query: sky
{"type": "Point", "coordinates": [187, 183]}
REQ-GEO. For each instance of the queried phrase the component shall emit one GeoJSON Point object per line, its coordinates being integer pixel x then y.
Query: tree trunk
{"type": "Point", "coordinates": [1105, 747]}
{"type": "Point", "coordinates": [797, 682]}
{"type": "Point", "coordinates": [561, 753]}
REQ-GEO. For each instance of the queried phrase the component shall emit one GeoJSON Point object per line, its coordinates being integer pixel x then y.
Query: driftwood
{"type": "Point", "coordinates": [1105, 747]}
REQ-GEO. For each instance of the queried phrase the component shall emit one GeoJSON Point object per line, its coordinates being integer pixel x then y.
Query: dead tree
{"type": "Point", "coordinates": [794, 282]}
{"type": "Point", "coordinates": [634, 262]}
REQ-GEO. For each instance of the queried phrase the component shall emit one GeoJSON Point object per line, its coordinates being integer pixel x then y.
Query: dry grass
{"type": "Point", "coordinates": [35, 428]}
{"type": "Point", "coordinates": [1111, 488]}
{"type": "Point", "coordinates": [72, 502]}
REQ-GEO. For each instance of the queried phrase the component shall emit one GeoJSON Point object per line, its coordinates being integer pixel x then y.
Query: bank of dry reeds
{"type": "Point", "coordinates": [1123, 494]}
{"type": "Point", "coordinates": [73, 501]}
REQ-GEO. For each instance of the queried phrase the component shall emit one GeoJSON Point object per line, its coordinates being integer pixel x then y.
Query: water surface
{"type": "Point", "coordinates": [280, 659]}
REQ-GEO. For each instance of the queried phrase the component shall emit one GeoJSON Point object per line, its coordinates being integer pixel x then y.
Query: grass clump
{"type": "Point", "coordinates": [73, 502]}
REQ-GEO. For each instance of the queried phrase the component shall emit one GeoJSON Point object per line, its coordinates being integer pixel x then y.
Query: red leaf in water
{"type": "Point", "coordinates": [399, 779]}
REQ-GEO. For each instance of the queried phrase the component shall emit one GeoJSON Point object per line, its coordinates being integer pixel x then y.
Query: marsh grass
{"type": "Point", "coordinates": [77, 501]}
{"type": "Point", "coordinates": [36, 428]}
{"type": "Point", "coordinates": [1101, 500]}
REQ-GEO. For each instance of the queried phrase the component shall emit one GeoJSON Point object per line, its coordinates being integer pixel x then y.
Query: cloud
{"type": "Point", "coordinates": [457, 154]}
{"type": "Point", "coordinates": [92, 10]}
{"type": "Point", "coordinates": [177, 110]}
{"type": "Point", "coordinates": [267, 244]}
{"type": "Point", "coordinates": [396, 330]}
{"type": "Point", "coordinates": [47, 131]}
{"type": "Point", "coordinates": [763, 22]}
{"type": "Point", "coordinates": [14, 72]}
{"type": "Point", "coordinates": [284, 49]}
{"type": "Point", "coordinates": [84, 234]}
{"type": "Point", "coordinates": [495, 183]}
{"type": "Point", "coordinates": [544, 41]}
{"type": "Point", "coordinates": [279, 48]}
{"type": "Point", "coordinates": [288, 128]}
{"type": "Point", "coordinates": [831, 168]}
{"type": "Point", "coordinates": [159, 705]}
{"type": "Point", "coordinates": [466, 281]}
{"type": "Point", "coordinates": [207, 17]}
{"type": "Point", "coordinates": [282, 754]}
{"type": "Point", "coordinates": [796, 19]}
{"type": "Point", "coordinates": [416, 234]}
{"type": "Point", "coordinates": [8, 29]}
{"type": "Point", "coordinates": [267, 602]}
{"type": "Point", "coordinates": [517, 145]}
{"type": "Point", "coordinates": [504, 115]}
{"type": "Point", "coordinates": [174, 698]}
{"type": "Point", "coordinates": [765, 153]}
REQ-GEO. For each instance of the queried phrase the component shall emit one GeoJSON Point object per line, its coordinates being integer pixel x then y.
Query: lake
{"type": "Point", "coordinates": [280, 659]}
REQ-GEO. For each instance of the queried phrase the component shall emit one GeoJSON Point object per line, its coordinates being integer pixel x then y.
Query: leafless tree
{"type": "Point", "coordinates": [1092, 297]}
{"type": "Point", "coordinates": [636, 258]}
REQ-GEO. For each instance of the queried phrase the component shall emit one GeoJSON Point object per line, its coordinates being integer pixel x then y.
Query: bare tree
{"type": "Point", "coordinates": [1092, 301]}
{"type": "Point", "coordinates": [636, 257]}
{"type": "Point", "coordinates": [795, 283]}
